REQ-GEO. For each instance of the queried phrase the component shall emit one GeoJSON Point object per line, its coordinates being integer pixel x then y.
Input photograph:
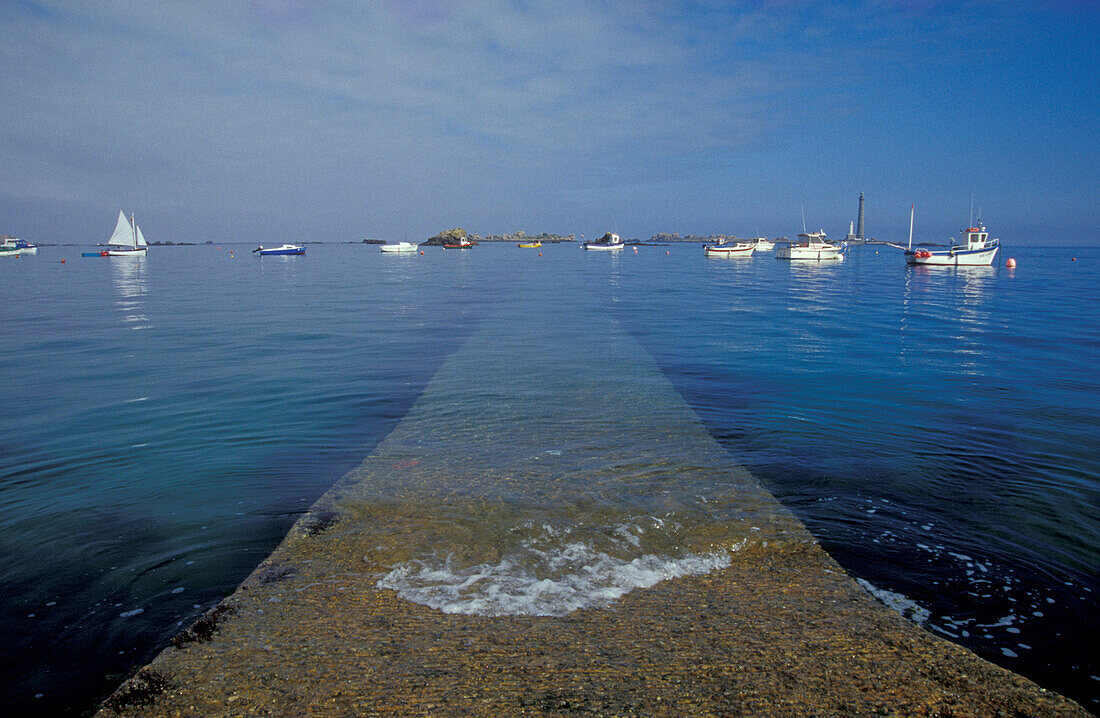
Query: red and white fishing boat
{"type": "Point", "coordinates": [976, 249]}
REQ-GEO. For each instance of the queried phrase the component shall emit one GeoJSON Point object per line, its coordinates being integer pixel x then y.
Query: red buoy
{"type": "Point", "coordinates": [1011, 263]}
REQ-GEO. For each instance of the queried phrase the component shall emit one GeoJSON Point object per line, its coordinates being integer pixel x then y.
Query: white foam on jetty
{"type": "Point", "coordinates": [904, 605]}
{"type": "Point", "coordinates": [554, 582]}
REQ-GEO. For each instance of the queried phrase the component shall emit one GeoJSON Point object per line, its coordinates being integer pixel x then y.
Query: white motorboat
{"type": "Point", "coordinates": [609, 241]}
{"type": "Point", "coordinates": [282, 250]}
{"type": "Point", "coordinates": [737, 249]}
{"type": "Point", "coordinates": [13, 247]}
{"type": "Point", "coordinates": [811, 246]}
{"type": "Point", "coordinates": [399, 247]}
{"type": "Point", "coordinates": [126, 240]}
{"type": "Point", "coordinates": [762, 244]}
{"type": "Point", "coordinates": [976, 249]}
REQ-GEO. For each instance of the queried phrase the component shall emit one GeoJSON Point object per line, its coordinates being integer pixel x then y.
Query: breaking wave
{"type": "Point", "coordinates": [537, 580]}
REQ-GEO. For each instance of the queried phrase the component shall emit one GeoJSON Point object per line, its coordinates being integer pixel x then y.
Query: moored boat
{"type": "Point", "coordinates": [529, 245]}
{"type": "Point", "coordinates": [737, 249]}
{"type": "Point", "coordinates": [976, 249]}
{"type": "Point", "coordinates": [812, 246]}
{"type": "Point", "coordinates": [461, 244]}
{"type": "Point", "coordinates": [126, 240]}
{"type": "Point", "coordinates": [608, 242]}
{"type": "Point", "coordinates": [283, 250]}
{"type": "Point", "coordinates": [14, 247]}
{"type": "Point", "coordinates": [763, 244]}
{"type": "Point", "coordinates": [398, 247]}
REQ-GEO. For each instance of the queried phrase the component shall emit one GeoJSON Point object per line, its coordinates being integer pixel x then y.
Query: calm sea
{"type": "Point", "coordinates": [163, 422]}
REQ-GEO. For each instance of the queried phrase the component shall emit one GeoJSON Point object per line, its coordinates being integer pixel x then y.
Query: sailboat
{"type": "Point", "coordinates": [126, 241]}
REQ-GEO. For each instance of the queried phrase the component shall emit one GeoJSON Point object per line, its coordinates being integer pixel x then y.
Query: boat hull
{"type": "Point", "coordinates": [813, 254]}
{"type": "Point", "coordinates": [602, 247]}
{"type": "Point", "coordinates": [741, 250]}
{"type": "Point", "coordinates": [530, 245]}
{"type": "Point", "coordinates": [285, 250]}
{"type": "Point", "coordinates": [399, 248]}
{"type": "Point", "coordinates": [953, 258]}
{"type": "Point", "coordinates": [126, 252]}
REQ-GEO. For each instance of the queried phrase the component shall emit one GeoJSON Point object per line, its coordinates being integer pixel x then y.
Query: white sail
{"type": "Point", "coordinates": [124, 234]}
{"type": "Point", "coordinates": [140, 239]}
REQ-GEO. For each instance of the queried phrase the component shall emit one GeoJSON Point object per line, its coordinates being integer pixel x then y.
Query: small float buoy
{"type": "Point", "coordinates": [1011, 263]}
{"type": "Point", "coordinates": [62, 261]}
{"type": "Point", "coordinates": [540, 254]}
{"type": "Point", "coordinates": [422, 253]}
{"type": "Point", "coordinates": [666, 251]}
{"type": "Point", "coordinates": [1073, 259]}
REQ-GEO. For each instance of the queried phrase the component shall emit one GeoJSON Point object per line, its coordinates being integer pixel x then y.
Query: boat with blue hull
{"type": "Point", "coordinates": [285, 249]}
{"type": "Point", "coordinates": [975, 250]}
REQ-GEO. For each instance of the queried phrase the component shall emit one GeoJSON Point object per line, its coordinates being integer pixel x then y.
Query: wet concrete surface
{"type": "Point", "coordinates": [781, 630]}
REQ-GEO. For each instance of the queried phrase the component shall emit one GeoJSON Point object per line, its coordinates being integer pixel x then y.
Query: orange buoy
{"type": "Point", "coordinates": [540, 254]}
{"type": "Point", "coordinates": [1011, 263]}
{"type": "Point", "coordinates": [666, 251]}
{"type": "Point", "coordinates": [62, 261]}
{"type": "Point", "coordinates": [422, 253]}
{"type": "Point", "coordinates": [1073, 259]}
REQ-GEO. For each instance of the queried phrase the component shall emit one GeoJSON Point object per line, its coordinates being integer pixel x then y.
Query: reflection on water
{"type": "Point", "coordinates": [128, 277]}
{"type": "Point", "coordinates": [957, 299]}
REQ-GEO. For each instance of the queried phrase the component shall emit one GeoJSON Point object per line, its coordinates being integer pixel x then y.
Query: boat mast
{"type": "Point", "coordinates": [911, 226]}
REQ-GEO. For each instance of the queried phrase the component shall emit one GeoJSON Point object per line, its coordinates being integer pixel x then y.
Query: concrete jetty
{"type": "Point", "coordinates": [500, 444]}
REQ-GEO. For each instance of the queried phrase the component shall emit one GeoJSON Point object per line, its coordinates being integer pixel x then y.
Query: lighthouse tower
{"type": "Point", "coordinates": [859, 222]}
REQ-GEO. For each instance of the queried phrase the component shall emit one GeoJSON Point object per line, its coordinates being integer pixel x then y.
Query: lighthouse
{"type": "Point", "coordinates": [859, 222]}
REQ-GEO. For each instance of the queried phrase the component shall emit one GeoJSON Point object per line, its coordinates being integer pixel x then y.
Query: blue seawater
{"type": "Point", "coordinates": [163, 422]}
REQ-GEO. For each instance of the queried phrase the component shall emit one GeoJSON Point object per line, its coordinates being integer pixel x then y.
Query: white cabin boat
{"type": "Point", "coordinates": [976, 249]}
{"type": "Point", "coordinates": [399, 247]}
{"type": "Point", "coordinates": [126, 240]}
{"type": "Point", "coordinates": [13, 247]}
{"type": "Point", "coordinates": [811, 246]}
{"type": "Point", "coordinates": [763, 244]}
{"type": "Point", "coordinates": [737, 249]}
{"type": "Point", "coordinates": [609, 241]}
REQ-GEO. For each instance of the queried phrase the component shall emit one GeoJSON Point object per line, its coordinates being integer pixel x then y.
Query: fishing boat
{"type": "Point", "coordinates": [976, 249]}
{"type": "Point", "coordinates": [529, 245]}
{"type": "Point", "coordinates": [461, 244]}
{"type": "Point", "coordinates": [283, 250]}
{"type": "Point", "coordinates": [608, 242]}
{"type": "Point", "coordinates": [398, 247]}
{"type": "Point", "coordinates": [14, 247]}
{"type": "Point", "coordinates": [762, 244]}
{"type": "Point", "coordinates": [811, 246]}
{"type": "Point", "coordinates": [737, 249]}
{"type": "Point", "coordinates": [126, 240]}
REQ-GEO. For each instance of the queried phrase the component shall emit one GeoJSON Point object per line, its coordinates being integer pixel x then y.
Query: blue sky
{"type": "Point", "coordinates": [335, 121]}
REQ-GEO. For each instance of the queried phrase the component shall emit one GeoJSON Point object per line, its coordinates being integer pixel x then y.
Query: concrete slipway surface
{"type": "Point", "coordinates": [404, 592]}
